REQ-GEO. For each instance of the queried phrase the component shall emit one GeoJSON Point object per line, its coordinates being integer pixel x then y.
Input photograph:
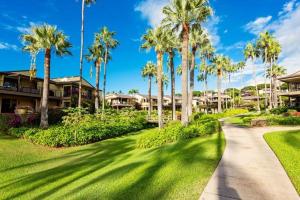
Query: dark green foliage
{"type": "Point", "coordinates": [4, 119]}
{"type": "Point", "coordinates": [279, 110]}
{"type": "Point", "coordinates": [201, 125]}
{"type": "Point", "coordinates": [78, 128]}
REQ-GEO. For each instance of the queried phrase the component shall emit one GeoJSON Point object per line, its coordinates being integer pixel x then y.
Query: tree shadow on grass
{"type": "Point", "coordinates": [292, 138]}
{"type": "Point", "coordinates": [111, 160]}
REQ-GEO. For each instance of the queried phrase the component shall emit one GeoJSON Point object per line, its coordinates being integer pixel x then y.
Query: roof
{"type": "Point", "coordinates": [112, 96]}
{"type": "Point", "coordinates": [295, 77]}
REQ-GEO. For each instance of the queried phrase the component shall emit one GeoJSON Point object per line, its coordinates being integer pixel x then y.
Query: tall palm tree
{"type": "Point", "coordinates": [252, 53]}
{"type": "Point", "coordinates": [198, 38]}
{"type": "Point", "coordinates": [232, 69]}
{"type": "Point", "coordinates": [156, 38]}
{"type": "Point", "coordinates": [83, 4]}
{"type": "Point", "coordinates": [220, 64]}
{"type": "Point", "coordinates": [107, 38]}
{"type": "Point", "coordinates": [172, 44]}
{"type": "Point", "coordinates": [206, 53]}
{"type": "Point", "coordinates": [48, 39]}
{"type": "Point", "coordinates": [182, 15]}
{"type": "Point", "coordinates": [274, 74]}
{"type": "Point", "coordinates": [149, 71]}
{"type": "Point", "coordinates": [96, 55]}
{"type": "Point", "coordinates": [269, 49]}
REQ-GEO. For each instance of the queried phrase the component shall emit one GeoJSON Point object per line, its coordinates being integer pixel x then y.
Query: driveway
{"type": "Point", "coordinates": [249, 169]}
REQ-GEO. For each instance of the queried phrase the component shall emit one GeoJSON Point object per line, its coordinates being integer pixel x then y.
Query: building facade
{"type": "Point", "coordinates": [19, 91]}
{"type": "Point", "coordinates": [293, 92]}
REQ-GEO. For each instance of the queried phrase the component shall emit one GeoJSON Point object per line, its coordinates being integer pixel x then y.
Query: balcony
{"type": "Point", "coordinates": [26, 91]}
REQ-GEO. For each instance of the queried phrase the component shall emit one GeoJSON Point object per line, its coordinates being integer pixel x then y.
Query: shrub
{"type": "Point", "coordinates": [79, 128]}
{"type": "Point", "coordinates": [279, 110]}
{"type": "Point", "coordinates": [200, 126]}
{"type": "Point", "coordinates": [4, 123]}
{"type": "Point", "coordinates": [15, 121]}
{"type": "Point", "coordinates": [17, 132]}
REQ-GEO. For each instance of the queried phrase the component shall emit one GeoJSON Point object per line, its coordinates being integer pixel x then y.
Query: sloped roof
{"type": "Point", "coordinates": [291, 77]}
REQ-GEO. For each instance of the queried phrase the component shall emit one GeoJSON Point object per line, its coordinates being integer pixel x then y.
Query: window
{"type": "Point", "coordinates": [67, 91]}
{"type": "Point", "coordinates": [8, 105]}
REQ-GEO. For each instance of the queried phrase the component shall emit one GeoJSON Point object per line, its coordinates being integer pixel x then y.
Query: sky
{"type": "Point", "coordinates": [233, 24]}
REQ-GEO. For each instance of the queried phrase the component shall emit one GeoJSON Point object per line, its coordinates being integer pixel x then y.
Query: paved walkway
{"type": "Point", "coordinates": [249, 169]}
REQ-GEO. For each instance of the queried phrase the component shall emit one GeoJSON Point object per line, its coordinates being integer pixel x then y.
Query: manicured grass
{"type": "Point", "coordinates": [286, 146]}
{"type": "Point", "coordinates": [111, 169]}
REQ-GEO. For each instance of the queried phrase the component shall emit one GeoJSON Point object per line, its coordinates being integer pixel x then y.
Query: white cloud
{"type": "Point", "coordinates": [27, 29]}
{"type": "Point", "coordinates": [7, 46]}
{"type": "Point", "coordinates": [151, 10]}
{"type": "Point", "coordinates": [258, 25]}
{"type": "Point", "coordinates": [287, 30]}
{"type": "Point", "coordinates": [237, 45]}
{"type": "Point", "coordinates": [212, 28]}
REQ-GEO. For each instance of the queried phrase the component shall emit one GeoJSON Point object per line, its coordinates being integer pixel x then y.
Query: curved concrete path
{"type": "Point", "coordinates": [249, 169]}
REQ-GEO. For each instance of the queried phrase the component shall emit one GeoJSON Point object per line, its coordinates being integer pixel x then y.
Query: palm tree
{"type": "Point", "coordinates": [198, 38]}
{"type": "Point", "coordinates": [220, 64]}
{"type": "Point", "coordinates": [84, 2]}
{"type": "Point", "coordinates": [133, 91]}
{"type": "Point", "coordinates": [156, 38]}
{"type": "Point", "coordinates": [106, 37]}
{"type": "Point", "coordinates": [206, 53]}
{"type": "Point", "coordinates": [231, 70]}
{"type": "Point", "coordinates": [269, 49]}
{"type": "Point", "coordinates": [48, 39]}
{"type": "Point", "coordinates": [149, 71]}
{"type": "Point", "coordinates": [252, 53]}
{"type": "Point", "coordinates": [182, 15]}
{"type": "Point", "coordinates": [172, 44]}
{"type": "Point", "coordinates": [96, 55]}
{"type": "Point", "coordinates": [274, 74]}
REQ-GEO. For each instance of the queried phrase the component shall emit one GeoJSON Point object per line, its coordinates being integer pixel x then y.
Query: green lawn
{"type": "Point", "coordinates": [286, 146]}
{"type": "Point", "coordinates": [111, 169]}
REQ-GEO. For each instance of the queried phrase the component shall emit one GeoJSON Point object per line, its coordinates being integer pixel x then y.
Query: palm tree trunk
{"type": "Point", "coordinates": [172, 70]}
{"type": "Point", "coordinates": [256, 88]}
{"type": "Point", "coordinates": [44, 107]}
{"type": "Point", "coordinates": [275, 93]}
{"type": "Point", "coordinates": [219, 90]}
{"type": "Point", "coordinates": [160, 88]}
{"type": "Point", "coordinates": [81, 54]}
{"type": "Point", "coordinates": [205, 85]}
{"type": "Point", "coordinates": [271, 84]}
{"type": "Point", "coordinates": [149, 97]}
{"type": "Point", "coordinates": [184, 77]}
{"type": "Point", "coordinates": [192, 83]}
{"type": "Point", "coordinates": [98, 64]}
{"type": "Point", "coordinates": [266, 97]}
{"type": "Point", "coordinates": [104, 81]}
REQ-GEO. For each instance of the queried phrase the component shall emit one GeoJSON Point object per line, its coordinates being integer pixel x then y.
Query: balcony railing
{"type": "Point", "coordinates": [33, 91]}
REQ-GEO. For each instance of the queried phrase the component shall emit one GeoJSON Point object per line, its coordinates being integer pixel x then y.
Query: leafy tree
{"type": "Point", "coordinates": [251, 52]}
{"type": "Point", "coordinates": [274, 73]}
{"type": "Point", "coordinates": [48, 39]}
{"type": "Point", "coordinates": [182, 15]}
{"type": "Point", "coordinates": [149, 71]}
{"type": "Point", "coordinates": [96, 55]}
{"type": "Point", "coordinates": [84, 3]}
{"type": "Point", "coordinates": [156, 38]}
{"type": "Point", "coordinates": [133, 91]}
{"type": "Point", "coordinates": [106, 37]}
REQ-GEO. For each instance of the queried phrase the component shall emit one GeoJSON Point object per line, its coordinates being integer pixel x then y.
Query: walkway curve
{"type": "Point", "coordinates": [249, 169]}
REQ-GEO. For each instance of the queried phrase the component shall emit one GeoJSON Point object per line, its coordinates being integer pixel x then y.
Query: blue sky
{"type": "Point", "coordinates": [233, 24]}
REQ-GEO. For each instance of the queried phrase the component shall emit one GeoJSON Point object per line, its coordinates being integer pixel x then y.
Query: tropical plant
{"type": "Point", "coordinates": [269, 49]}
{"type": "Point", "coordinates": [106, 37]}
{"type": "Point", "coordinates": [198, 39]}
{"type": "Point", "coordinates": [206, 53]}
{"type": "Point", "coordinates": [252, 53]}
{"type": "Point", "coordinates": [133, 91]}
{"type": "Point", "coordinates": [48, 39]}
{"type": "Point", "coordinates": [96, 55]}
{"type": "Point", "coordinates": [172, 45]}
{"type": "Point", "coordinates": [220, 64]}
{"type": "Point", "coordinates": [83, 4]}
{"type": "Point", "coordinates": [181, 15]}
{"type": "Point", "coordinates": [156, 38]}
{"type": "Point", "coordinates": [274, 74]}
{"type": "Point", "coordinates": [149, 71]}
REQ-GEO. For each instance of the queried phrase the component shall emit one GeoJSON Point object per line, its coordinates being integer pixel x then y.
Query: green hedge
{"type": "Point", "coordinates": [174, 131]}
{"type": "Point", "coordinates": [81, 128]}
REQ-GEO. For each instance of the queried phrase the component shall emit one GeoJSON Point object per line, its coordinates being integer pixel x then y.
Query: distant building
{"type": "Point", "coordinates": [19, 91]}
{"type": "Point", "coordinates": [293, 92]}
